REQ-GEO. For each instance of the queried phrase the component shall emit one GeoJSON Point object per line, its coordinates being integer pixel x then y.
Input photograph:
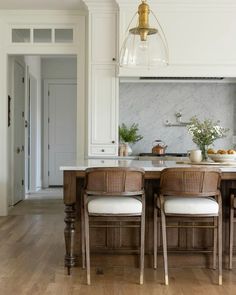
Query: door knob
{"type": "Point", "coordinates": [17, 150]}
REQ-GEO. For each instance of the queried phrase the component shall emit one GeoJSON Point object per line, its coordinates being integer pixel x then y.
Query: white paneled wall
{"type": "Point", "coordinates": [59, 68]}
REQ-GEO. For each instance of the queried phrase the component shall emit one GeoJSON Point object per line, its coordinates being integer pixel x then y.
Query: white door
{"type": "Point", "coordinates": [61, 129]}
{"type": "Point", "coordinates": [19, 133]}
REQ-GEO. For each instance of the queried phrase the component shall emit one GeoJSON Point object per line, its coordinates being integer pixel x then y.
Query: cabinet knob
{"type": "Point", "coordinates": [113, 141]}
{"type": "Point", "coordinates": [102, 150]}
{"type": "Point", "coordinates": [114, 59]}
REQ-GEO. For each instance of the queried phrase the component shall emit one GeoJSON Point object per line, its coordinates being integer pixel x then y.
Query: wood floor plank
{"type": "Point", "coordinates": [32, 263]}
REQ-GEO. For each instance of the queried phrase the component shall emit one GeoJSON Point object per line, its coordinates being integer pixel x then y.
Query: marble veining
{"type": "Point", "coordinates": [151, 104]}
{"type": "Point", "coordinates": [146, 165]}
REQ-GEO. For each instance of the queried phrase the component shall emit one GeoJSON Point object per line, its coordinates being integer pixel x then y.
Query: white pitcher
{"type": "Point", "coordinates": [195, 156]}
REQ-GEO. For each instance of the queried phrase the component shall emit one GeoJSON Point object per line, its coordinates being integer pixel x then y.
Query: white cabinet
{"type": "Point", "coordinates": [103, 105]}
{"type": "Point", "coordinates": [103, 84]}
{"type": "Point", "coordinates": [104, 40]}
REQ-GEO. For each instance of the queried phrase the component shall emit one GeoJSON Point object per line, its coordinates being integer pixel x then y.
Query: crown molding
{"type": "Point", "coordinates": [104, 5]}
{"type": "Point", "coordinates": [179, 3]}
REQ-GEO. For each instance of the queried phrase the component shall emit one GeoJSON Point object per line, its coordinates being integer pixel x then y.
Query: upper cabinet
{"type": "Point", "coordinates": [104, 41]}
{"type": "Point", "coordinates": [200, 34]}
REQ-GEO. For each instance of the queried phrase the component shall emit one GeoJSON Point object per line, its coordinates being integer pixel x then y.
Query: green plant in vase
{"type": "Point", "coordinates": [129, 135]}
{"type": "Point", "coordinates": [205, 133]}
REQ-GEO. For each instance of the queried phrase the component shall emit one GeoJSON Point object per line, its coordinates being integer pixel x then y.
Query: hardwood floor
{"type": "Point", "coordinates": [32, 262]}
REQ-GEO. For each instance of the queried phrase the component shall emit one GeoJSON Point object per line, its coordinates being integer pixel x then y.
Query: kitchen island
{"type": "Point", "coordinates": [125, 241]}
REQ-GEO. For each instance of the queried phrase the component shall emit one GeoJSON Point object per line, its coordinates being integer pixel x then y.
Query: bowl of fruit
{"type": "Point", "coordinates": [222, 155]}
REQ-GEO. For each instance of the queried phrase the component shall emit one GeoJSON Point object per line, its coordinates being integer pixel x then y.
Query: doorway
{"type": "Point", "coordinates": [60, 128]}
{"type": "Point", "coordinates": [45, 126]}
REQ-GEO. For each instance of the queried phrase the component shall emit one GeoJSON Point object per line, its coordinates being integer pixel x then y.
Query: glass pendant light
{"type": "Point", "coordinates": [144, 46]}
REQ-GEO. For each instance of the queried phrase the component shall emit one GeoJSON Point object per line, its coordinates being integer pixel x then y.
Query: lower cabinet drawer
{"type": "Point", "coordinates": [103, 150]}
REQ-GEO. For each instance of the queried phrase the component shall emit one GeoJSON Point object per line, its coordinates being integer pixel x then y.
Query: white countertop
{"type": "Point", "coordinates": [146, 165]}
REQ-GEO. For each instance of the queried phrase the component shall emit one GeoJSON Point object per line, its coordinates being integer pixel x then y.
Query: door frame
{"type": "Point", "coordinates": [30, 159]}
{"type": "Point", "coordinates": [46, 85]}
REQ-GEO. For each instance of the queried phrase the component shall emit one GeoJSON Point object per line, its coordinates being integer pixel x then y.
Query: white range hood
{"type": "Point", "coordinates": [200, 34]}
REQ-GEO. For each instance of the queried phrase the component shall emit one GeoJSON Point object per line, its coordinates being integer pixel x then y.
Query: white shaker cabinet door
{"type": "Point", "coordinates": [104, 40]}
{"type": "Point", "coordinates": [103, 116]}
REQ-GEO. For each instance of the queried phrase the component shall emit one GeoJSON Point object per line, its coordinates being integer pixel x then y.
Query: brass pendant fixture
{"type": "Point", "coordinates": [144, 46]}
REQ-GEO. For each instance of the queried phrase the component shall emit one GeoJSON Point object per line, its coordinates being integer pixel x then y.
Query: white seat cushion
{"type": "Point", "coordinates": [114, 205]}
{"type": "Point", "coordinates": [193, 205]}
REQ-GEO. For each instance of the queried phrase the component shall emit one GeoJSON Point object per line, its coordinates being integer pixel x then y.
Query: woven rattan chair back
{"type": "Point", "coordinates": [114, 181]}
{"type": "Point", "coordinates": [117, 181]}
{"type": "Point", "coordinates": [189, 182]}
{"type": "Point", "coordinates": [197, 182]}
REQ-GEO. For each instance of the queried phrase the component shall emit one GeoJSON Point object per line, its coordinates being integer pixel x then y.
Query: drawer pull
{"type": "Point", "coordinates": [102, 150]}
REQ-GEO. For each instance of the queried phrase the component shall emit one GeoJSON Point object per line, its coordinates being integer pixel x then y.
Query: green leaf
{"type": "Point", "coordinates": [129, 134]}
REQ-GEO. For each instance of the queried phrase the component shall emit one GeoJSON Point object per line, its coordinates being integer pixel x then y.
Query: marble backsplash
{"type": "Point", "coordinates": [151, 104]}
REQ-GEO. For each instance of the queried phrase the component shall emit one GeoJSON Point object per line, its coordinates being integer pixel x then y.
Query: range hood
{"type": "Point", "coordinates": [179, 72]}
{"type": "Point", "coordinates": [177, 79]}
{"type": "Point", "coordinates": [180, 78]}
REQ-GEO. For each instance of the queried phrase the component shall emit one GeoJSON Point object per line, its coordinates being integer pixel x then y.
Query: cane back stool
{"type": "Point", "coordinates": [116, 194]}
{"type": "Point", "coordinates": [231, 224]}
{"type": "Point", "coordinates": [189, 193]}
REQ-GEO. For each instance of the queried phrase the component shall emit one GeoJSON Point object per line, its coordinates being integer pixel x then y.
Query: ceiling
{"type": "Point", "coordinates": [41, 4]}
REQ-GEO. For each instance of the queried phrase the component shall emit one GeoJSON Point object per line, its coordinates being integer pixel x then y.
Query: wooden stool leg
{"type": "Point", "coordinates": [231, 231]}
{"type": "Point", "coordinates": [87, 252]}
{"type": "Point", "coordinates": [82, 235]}
{"type": "Point", "coordinates": [155, 237]}
{"type": "Point", "coordinates": [215, 243]}
{"type": "Point", "coordinates": [220, 244]}
{"type": "Point", "coordinates": [142, 244]}
{"type": "Point", "coordinates": [163, 225]}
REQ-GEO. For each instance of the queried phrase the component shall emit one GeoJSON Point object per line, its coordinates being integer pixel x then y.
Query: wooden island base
{"type": "Point", "coordinates": [184, 244]}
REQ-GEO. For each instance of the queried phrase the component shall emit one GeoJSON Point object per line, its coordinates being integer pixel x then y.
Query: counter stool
{"type": "Point", "coordinates": [231, 224]}
{"type": "Point", "coordinates": [189, 193]}
{"type": "Point", "coordinates": [118, 195]}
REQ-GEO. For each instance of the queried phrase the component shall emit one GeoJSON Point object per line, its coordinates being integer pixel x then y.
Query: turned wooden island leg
{"type": "Point", "coordinates": [69, 190]}
{"type": "Point", "coordinates": [69, 233]}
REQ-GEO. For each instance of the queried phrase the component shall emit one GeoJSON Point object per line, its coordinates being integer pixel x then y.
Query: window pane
{"type": "Point", "coordinates": [63, 35]}
{"type": "Point", "coordinates": [42, 35]}
{"type": "Point", "coordinates": [20, 35]}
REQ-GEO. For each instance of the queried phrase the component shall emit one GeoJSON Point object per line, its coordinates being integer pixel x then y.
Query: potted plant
{"type": "Point", "coordinates": [129, 135]}
{"type": "Point", "coordinates": [205, 133]}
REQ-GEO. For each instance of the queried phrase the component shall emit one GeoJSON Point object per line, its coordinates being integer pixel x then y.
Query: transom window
{"type": "Point", "coordinates": [42, 35]}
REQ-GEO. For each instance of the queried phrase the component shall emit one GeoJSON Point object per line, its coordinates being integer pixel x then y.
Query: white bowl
{"type": "Point", "coordinates": [222, 157]}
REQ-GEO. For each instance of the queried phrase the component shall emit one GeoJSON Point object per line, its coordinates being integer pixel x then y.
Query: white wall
{"type": "Point", "coordinates": [4, 170]}
{"type": "Point", "coordinates": [34, 66]}
{"type": "Point", "coordinates": [59, 68]}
